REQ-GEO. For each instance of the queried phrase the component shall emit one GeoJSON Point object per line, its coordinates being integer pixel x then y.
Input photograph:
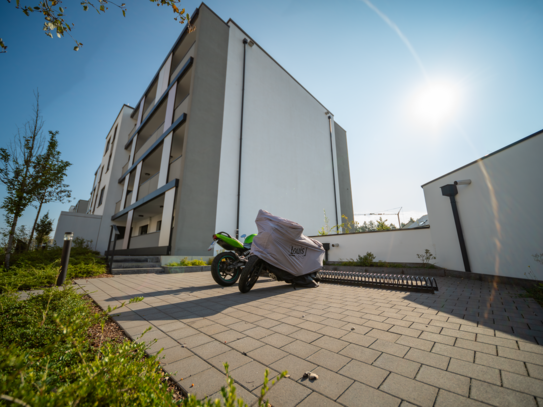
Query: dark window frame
{"type": "Point", "coordinates": [101, 200]}
{"type": "Point", "coordinates": [143, 231]}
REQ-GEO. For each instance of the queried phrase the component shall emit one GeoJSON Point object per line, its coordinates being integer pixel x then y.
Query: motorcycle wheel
{"type": "Point", "coordinates": [250, 274]}
{"type": "Point", "coordinates": [221, 269]}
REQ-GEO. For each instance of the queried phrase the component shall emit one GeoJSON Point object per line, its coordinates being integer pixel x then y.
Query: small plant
{"type": "Point", "coordinates": [185, 262]}
{"type": "Point", "coordinates": [210, 260]}
{"type": "Point", "coordinates": [426, 258]}
{"type": "Point", "coordinates": [81, 243]}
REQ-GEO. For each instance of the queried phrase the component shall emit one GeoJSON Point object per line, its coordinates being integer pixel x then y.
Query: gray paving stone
{"type": "Point", "coordinates": [205, 383]}
{"type": "Point", "coordinates": [387, 336]}
{"type": "Point", "coordinates": [186, 367]}
{"type": "Point", "coordinates": [311, 326]}
{"type": "Point", "coordinates": [362, 372]}
{"type": "Point", "coordinates": [535, 371]}
{"type": "Point", "coordinates": [251, 375]}
{"type": "Point", "coordinates": [329, 360]}
{"type": "Point", "coordinates": [529, 347]}
{"type": "Point", "coordinates": [164, 343]}
{"type": "Point", "coordinates": [185, 332]}
{"type": "Point", "coordinates": [410, 390]}
{"type": "Point", "coordinates": [427, 358]}
{"type": "Point", "coordinates": [415, 343]}
{"type": "Point", "coordinates": [213, 329]}
{"type": "Point", "coordinates": [358, 339]}
{"type": "Point", "coordinates": [174, 354]}
{"type": "Point", "coordinates": [499, 396]}
{"type": "Point", "coordinates": [520, 355]}
{"type": "Point", "coordinates": [329, 383]}
{"type": "Point", "coordinates": [300, 349]}
{"type": "Point", "coordinates": [333, 332]}
{"type": "Point", "coordinates": [524, 384]}
{"type": "Point", "coordinates": [360, 353]}
{"type": "Point", "coordinates": [267, 323]}
{"type": "Point", "coordinates": [246, 344]}
{"type": "Point", "coordinates": [389, 347]}
{"type": "Point", "coordinates": [454, 352]}
{"type": "Point", "coordinates": [295, 366]}
{"type": "Point", "coordinates": [234, 359]}
{"type": "Point", "coordinates": [285, 329]}
{"type": "Point", "coordinates": [476, 346]}
{"type": "Point", "coordinates": [195, 340]}
{"type": "Point", "coordinates": [317, 400]}
{"type": "Point", "coordinates": [475, 371]}
{"type": "Point", "coordinates": [426, 327]}
{"type": "Point", "coordinates": [444, 380]}
{"type": "Point", "coordinates": [245, 395]}
{"type": "Point", "coordinates": [228, 336]}
{"type": "Point", "coordinates": [286, 393]}
{"type": "Point", "coordinates": [397, 365]}
{"type": "Point", "coordinates": [448, 399]}
{"type": "Point", "coordinates": [210, 349]}
{"type": "Point", "coordinates": [332, 344]}
{"type": "Point", "coordinates": [277, 340]}
{"type": "Point", "coordinates": [267, 354]}
{"type": "Point", "coordinates": [359, 395]}
{"type": "Point", "coordinates": [430, 336]}
{"type": "Point", "coordinates": [492, 340]}
{"type": "Point", "coordinates": [305, 335]}
{"type": "Point", "coordinates": [405, 331]}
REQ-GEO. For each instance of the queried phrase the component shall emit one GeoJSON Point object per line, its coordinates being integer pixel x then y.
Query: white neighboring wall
{"type": "Point", "coordinates": [286, 158]}
{"type": "Point", "coordinates": [500, 212]}
{"type": "Point", "coordinates": [395, 246]}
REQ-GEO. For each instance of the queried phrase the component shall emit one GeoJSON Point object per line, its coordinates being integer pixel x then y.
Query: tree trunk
{"type": "Point", "coordinates": [34, 226]}
{"type": "Point", "coordinates": [10, 243]}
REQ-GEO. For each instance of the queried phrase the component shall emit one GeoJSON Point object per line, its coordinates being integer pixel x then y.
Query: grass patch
{"type": "Point", "coordinates": [38, 269]}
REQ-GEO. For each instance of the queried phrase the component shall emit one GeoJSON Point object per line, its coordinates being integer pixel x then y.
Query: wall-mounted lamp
{"type": "Point", "coordinates": [335, 244]}
{"type": "Point", "coordinates": [451, 191]}
{"type": "Point", "coordinates": [251, 43]}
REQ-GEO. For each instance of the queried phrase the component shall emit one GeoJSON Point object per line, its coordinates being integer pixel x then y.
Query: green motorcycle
{"type": "Point", "coordinates": [227, 266]}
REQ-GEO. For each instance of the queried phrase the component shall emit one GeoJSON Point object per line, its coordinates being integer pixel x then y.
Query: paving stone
{"type": "Point", "coordinates": [241, 326]}
{"type": "Point", "coordinates": [245, 395]}
{"type": "Point", "coordinates": [331, 344]}
{"type": "Point", "coordinates": [335, 323]}
{"type": "Point", "coordinates": [476, 346]}
{"type": "Point", "coordinates": [258, 332]}
{"type": "Point", "coordinates": [300, 349]}
{"type": "Point", "coordinates": [399, 322]}
{"type": "Point", "coordinates": [361, 395]}
{"type": "Point", "coordinates": [205, 383]}
{"type": "Point", "coordinates": [251, 375]}
{"type": "Point", "coordinates": [444, 380]}
{"type": "Point", "coordinates": [535, 371]}
{"type": "Point", "coordinates": [210, 349]}
{"type": "Point", "coordinates": [524, 384]}
{"type": "Point", "coordinates": [360, 353]}
{"type": "Point", "coordinates": [329, 360]}
{"type": "Point", "coordinates": [164, 343]}
{"type": "Point", "coordinates": [448, 399]}
{"type": "Point", "coordinates": [492, 340]}
{"type": "Point", "coordinates": [520, 355]}
{"type": "Point", "coordinates": [476, 371]}
{"type": "Point", "coordinates": [458, 334]}
{"type": "Point", "coordinates": [267, 323]}
{"type": "Point", "coordinates": [500, 363]}
{"type": "Point", "coordinates": [529, 347]}
{"type": "Point", "coordinates": [410, 390]}
{"type": "Point", "coordinates": [317, 400]}
{"type": "Point", "coordinates": [234, 359]}
{"type": "Point", "coordinates": [454, 352]}
{"type": "Point", "coordinates": [295, 366]}
{"type": "Point", "coordinates": [311, 326]}
{"type": "Point", "coordinates": [405, 331]}
{"type": "Point", "coordinates": [202, 323]}
{"type": "Point", "coordinates": [329, 383]}
{"type": "Point", "coordinates": [267, 354]}
{"type": "Point", "coordinates": [286, 393]}
{"type": "Point", "coordinates": [358, 339]}
{"type": "Point", "coordinates": [430, 336]}
{"type": "Point", "coordinates": [186, 367]}
{"type": "Point", "coordinates": [305, 335]}
{"type": "Point", "coordinates": [499, 396]}
{"type": "Point", "coordinates": [285, 329]}
{"type": "Point", "coordinates": [389, 347]}
{"type": "Point", "coordinates": [426, 327]}
{"type": "Point", "coordinates": [397, 365]}
{"type": "Point", "coordinates": [277, 340]}
{"type": "Point", "coordinates": [333, 332]}
{"type": "Point", "coordinates": [174, 354]}
{"type": "Point", "coordinates": [185, 332]}
{"type": "Point", "coordinates": [195, 340]}
{"type": "Point", "coordinates": [387, 336]}
{"type": "Point", "coordinates": [246, 344]}
{"type": "Point", "coordinates": [444, 324]}
{"type": "Point", "coordinates": [477, 330]}
{"type": "Point", "coordinates": [365, 373]}
{"type": "Point", "coordinates": [213, 329]}
{"type": "Point", "coordinates": [228, 336]}
{"type": "Point", "coordinates": [427, 358]}
{"type": "Point", "coordinates": [415, 343]}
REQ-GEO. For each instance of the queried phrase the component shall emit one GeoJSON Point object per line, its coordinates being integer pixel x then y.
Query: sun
{"type": "Point", "coordinates": [435, 102]}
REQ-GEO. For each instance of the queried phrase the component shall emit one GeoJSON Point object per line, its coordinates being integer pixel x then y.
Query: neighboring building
{"type": "Point", "coordinates": [171, 174]}
{"type": "Point", "coordinates": [80, 207]}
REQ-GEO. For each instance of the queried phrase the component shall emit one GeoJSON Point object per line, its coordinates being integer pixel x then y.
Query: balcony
{"type": "Point", "coordinates": [148, 186]}
{"type": "Point", "coordinates": [125, 167]}
{"type": "Point", "coordinates": [188, 54]}
{"type": "Point", "coordinates": [148, 110]}
{"type": "Point", "coordinates": [175, 169]}
{"type": "Point", "coordinates": [147, 240]}
{"type": "Point", "coordinates": [131, 132]}
{"type": "Point", "coordinates": [149, 142]}
{"type": "Point", "coordinates": [181, 108]}
{"type": "Point", "coordinates": [128, 199]}
{"type": "Point", "coordinates": [118, 207]}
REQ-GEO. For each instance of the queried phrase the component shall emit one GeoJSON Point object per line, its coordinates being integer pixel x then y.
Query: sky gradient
{"type": "Point", "coordinates": [353, 56]}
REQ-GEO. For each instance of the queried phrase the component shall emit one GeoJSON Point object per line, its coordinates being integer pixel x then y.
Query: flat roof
{"type": "Point", "coordinates": [486, 156]}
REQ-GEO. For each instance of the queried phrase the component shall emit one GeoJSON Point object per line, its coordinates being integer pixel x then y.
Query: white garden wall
{"type": "Point", "coordinates": [396, 246]}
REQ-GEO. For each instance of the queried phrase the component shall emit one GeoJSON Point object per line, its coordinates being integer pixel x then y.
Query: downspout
{"type": "Point", "coordinates": [333, 170]}
{"type": "Point", "coordinates": [451, 191]}
{"type": "Point", "coordinates": [245, 41]}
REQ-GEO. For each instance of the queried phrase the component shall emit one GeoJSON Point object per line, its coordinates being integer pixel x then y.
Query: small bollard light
{"type": "Point", "coordinates": [65, 259]}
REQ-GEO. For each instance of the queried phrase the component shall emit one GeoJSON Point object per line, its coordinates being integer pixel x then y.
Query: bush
{"type": "Point", "coordinates": [40, 268]}
{"type": "Point", "coordinates": [47, 359]}
{"type": "Point", "coordinates": [186, 262]}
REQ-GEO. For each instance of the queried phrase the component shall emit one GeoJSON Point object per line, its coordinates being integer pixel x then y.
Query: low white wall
{"type": "Point", "coordinates": [80, 224]}
{"type": "Point", "coordinates": [397, 246]}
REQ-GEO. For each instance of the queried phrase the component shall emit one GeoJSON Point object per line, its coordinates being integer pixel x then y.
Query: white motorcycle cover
{"type": "Point", "coordinates": [281, 243]}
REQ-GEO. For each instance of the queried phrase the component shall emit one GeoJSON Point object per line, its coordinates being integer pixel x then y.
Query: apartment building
{"type": "Point", "coordinates": [221, 131]}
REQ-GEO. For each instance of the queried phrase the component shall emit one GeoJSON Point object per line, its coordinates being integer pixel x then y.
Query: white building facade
{"type": "Point", "coordinates": [221, 132]}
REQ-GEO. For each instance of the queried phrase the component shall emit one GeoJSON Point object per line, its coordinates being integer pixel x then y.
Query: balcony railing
{"type": "Point", "coordinates": [148, 110]}
{"type": "Point", "coordinates": [181, 108]}
{"type": "Point", "coordinates": [154, 137]}
{"type": "Point", "coordinates": [147, 240]}
{"type": "Point", "coordinates": [125, 167]}
{"type": "Point", "coordinates": [128, 199]}
{"type": "Point", "coordinates": [131, 132]}
{"type": "Point", "coordinates": [148, 186]}
{"type": "Point", "coordinates": [118, 206]}
{"type": "Point", "coordinates": [175, 169]}
{"type": "Point", "coordinates": [181, 64]}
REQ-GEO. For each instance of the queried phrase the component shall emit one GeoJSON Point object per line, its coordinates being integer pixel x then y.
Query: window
{"type": "Point", "coordinates": [108, 163]}
{"type": "Point", "coordinates": [101, 196]}
{"type": "Point", "coordinates": [143, 229]}
{"type": "Point", "coordinates": [158, 225]}
{"type": "Point", "coordinates": [107, 147]}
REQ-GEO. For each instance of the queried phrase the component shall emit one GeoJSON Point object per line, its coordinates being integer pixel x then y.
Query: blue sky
{"type": "Point", "coordinates": [484, 56]}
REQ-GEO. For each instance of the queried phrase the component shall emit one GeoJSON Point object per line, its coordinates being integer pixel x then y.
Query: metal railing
{"type": "Point", "coordinates": [128, 201]}
{"type": "Point", "coordinates": [131, 132]}
{"type": "Point", "coordinates": [181, 108]}
{"type": "Point", "coordinates": [148, 186]}
{"type": "Point", "coordinates": [149, 142]}
{"type": "Point", "coordinates": [175, 169]}
{"type": "Point", "coordinates": [148, 110]}
{"type": "Point", "coordinates": [118, 206]}
{"type": "Point", "coordinates": [189, 53]}
{"type": "Point", "coordinates": [125, 167]}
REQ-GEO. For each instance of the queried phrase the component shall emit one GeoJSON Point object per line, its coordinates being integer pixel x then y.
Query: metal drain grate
{"type": "Point", "coordinates": [387, 281]}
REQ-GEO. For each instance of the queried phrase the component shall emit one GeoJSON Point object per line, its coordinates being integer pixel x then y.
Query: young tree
{"type": "Point", "coordinates": [43, 229]}
{"type": "Point", "coordinates": [382, 224]}
{"type": "Point", "coordinates": [50, 186]}
{"type": "Point", "coordinates": [18, 171]}
{"type": "Point", "coordinates": [54, 14]}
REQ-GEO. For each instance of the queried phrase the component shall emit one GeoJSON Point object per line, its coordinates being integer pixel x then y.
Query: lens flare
{"type": "Point", "coordinates": [435, 102]}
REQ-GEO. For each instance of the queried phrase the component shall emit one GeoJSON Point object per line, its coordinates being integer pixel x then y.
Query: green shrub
{"type": "Point", "coordinates": [185, 262]}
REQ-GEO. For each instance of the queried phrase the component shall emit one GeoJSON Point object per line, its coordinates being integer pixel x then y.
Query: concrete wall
{"type": "Point", "coordinates": [397, 246]}
{"type": "Point", "coordinates": [500, 212]}
{"type": "Point", "coordinates": [286, 160]}
{"type": "Point", "coordinates": [80, 224]}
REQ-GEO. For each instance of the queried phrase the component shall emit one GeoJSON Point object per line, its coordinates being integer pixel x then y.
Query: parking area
{"type": "Point", "coordinates": [470, 344]}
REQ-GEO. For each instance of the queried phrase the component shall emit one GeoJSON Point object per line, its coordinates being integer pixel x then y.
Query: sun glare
{"type": "Point", "coordinates": [435, 102]}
